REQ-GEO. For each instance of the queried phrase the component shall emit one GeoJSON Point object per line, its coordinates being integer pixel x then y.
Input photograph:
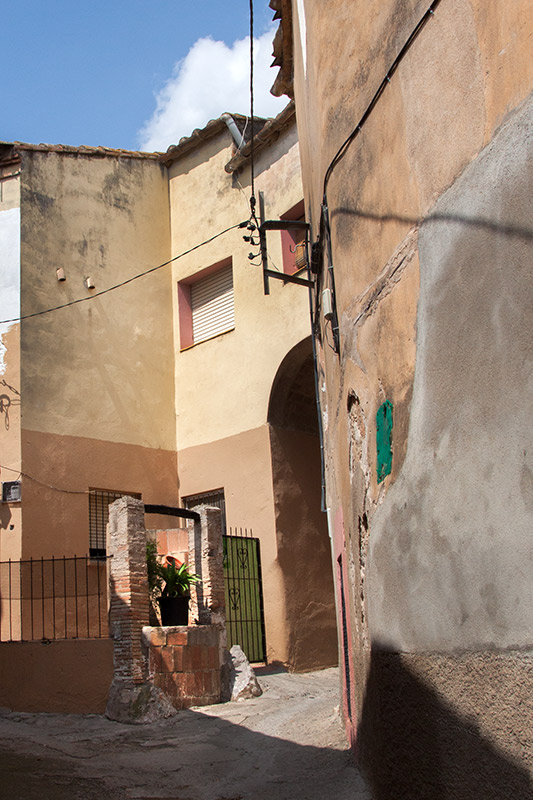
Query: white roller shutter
{"type": "Point", "coordinates": [212, 305]}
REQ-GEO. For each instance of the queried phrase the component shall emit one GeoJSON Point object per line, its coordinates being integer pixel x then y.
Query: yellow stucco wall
{"type": "Point", "coordinates": [97, 378]}
{"type": "Point", "coordinates": [223, 385]}
{"type": "Point", "coordinates": [103, 368]}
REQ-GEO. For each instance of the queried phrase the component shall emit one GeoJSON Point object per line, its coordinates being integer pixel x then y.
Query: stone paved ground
{"type": "Point", "coordinates": [286, 745]}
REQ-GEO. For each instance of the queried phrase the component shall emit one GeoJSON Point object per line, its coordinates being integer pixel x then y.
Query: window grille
{"type": "Point", "coordinates": [214, 498]}
{"type": "Point", "coordinates": [99, 502]}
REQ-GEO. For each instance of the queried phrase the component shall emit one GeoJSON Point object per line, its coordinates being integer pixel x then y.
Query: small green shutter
{"type": "Point", "coordinates": [384, 439]}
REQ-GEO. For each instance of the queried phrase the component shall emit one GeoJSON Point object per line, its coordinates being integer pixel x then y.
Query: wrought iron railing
{"type": "Point", "coordinates": [53, 598]}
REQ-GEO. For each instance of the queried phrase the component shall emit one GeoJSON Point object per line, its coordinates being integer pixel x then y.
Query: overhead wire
{"type": "Point", "coordinates": [42, 483]}
{"type": "Point", "coordinates": [241, 224]}
{"type": "Point", "coordinates": [252, 171]}
{"type": "Point", "coordinates": [253, 201]}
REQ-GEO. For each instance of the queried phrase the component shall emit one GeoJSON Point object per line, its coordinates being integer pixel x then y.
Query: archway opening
{"type": "Point", "coordinates": [303, 546]}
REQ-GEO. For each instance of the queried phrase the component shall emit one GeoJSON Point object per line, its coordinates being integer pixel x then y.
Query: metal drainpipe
{"type": "Point", "coordinates": [238, 137]}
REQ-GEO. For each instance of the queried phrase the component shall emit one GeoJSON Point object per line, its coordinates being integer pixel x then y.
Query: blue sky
{"type": "Point", "coordinates": [135, 73]}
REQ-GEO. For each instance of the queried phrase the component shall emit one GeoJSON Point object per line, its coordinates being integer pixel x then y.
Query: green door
{"type": "Point", "coordinates": [244, 596]}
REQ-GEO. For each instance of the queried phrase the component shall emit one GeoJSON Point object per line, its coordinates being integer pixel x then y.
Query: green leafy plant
{"type": "Point", "coordinates": [177, 580]}
{"type": "Point", "coordinates": [169, 578]}
{"type": "Point", "coordinates": [153, 566]}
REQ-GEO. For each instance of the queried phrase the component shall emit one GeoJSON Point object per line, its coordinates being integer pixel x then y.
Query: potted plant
{"type": "Point", "coordinates": [170, 586]}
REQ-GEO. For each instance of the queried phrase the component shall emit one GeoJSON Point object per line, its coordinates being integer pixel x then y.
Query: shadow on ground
{"type": "Point", "coordinates": [192, 756]}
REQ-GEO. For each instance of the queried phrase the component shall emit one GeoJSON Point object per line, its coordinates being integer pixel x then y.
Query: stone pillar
{"type": "Point", "coordinates": [132, 698]}
{"type": "Point", "coordinates": [206, 559]}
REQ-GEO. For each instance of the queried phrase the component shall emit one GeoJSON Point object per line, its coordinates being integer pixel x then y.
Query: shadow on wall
{"type": "Point", "coordinates": [413, 745]}
{"type": "Point", "coordinates": [5, 516]}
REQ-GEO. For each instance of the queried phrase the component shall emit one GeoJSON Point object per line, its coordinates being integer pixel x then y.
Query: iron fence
{"type": "Point", "coordinates": [53, 598]}
{"type": "Point", "coordinates": [245, 620]}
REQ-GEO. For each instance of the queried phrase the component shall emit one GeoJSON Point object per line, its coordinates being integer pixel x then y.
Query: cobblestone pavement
{"type": "Point", "coordinates": [287, 744]}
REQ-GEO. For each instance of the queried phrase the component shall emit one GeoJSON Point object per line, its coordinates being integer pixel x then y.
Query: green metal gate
{"type": "Point", "coordinates": [244, 593]}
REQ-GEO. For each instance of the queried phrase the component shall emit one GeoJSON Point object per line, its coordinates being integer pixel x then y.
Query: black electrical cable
{"type": "Point", "coordinates": [42, 483]}
{"type": "Point", "coordinates": [252, 171]}
{"type": "Point", "coordinates": [128, 280]}
{"type": "Point", "coordinates": [325, 229]}
{"type": "Point", "coordinates": [253, 222]}
{"type": "Point", "coordinates": [386, 80]}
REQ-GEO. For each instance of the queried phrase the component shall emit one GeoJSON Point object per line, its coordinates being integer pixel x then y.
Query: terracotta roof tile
{"type": "Point", "coordinates": [269, 132]}
{"type": "Point", "coordinates": [212, 128]}
{"type": "Point", "coordinates": [84, 150]}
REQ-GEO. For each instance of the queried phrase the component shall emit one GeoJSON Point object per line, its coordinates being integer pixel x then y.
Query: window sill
{"type": "Point", "coordinates": [210, 339]}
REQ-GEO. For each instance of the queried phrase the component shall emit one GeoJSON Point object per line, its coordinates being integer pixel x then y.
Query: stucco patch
{"type": "Point", "coordinates": [464, 581]}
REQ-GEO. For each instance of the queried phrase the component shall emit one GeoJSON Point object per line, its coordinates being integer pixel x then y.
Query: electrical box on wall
{"type": "Point", "coordinates": [11, 491]}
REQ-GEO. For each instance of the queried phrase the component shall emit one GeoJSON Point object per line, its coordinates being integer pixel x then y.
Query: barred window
{"type": "Point", "coordinates": [214, 498]}
{"type": "Point", "coordinates": [99, 502]}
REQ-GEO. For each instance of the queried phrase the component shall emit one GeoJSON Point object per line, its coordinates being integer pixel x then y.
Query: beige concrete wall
{"type": "Point", "coordinates": [223, 385]}
{"type": "Point", "coordinates": [68, 677]}
{"type": "Point", "coordinates": [241, 465]}
{"type": "Point", "coordinates": [465, 72]}
{"type": "Point", "coordinates": [55, 508]}
{"type": "Point", "coordinates": [97, 378]}
{"type": "Point", "coordinates": [106, 218]}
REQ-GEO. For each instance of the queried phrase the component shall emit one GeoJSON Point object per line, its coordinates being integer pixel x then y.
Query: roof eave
{"type": "Point", "coordinates": [272, 130]}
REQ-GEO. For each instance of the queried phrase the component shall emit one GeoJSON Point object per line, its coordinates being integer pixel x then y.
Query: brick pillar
{"type": "Point", "coordinates": [131, 697]}
{"type": "Point", "coordinates": [206, 559]}
{"type": "Point", "coordinates": [128, 610]}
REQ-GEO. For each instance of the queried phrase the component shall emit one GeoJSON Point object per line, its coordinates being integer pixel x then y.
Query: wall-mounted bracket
{"type": "Point", "coordinates": [280, 225]}
{"type": "Point", "coordinates": [286, 278]}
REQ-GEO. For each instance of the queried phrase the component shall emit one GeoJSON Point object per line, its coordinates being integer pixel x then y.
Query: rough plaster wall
{"type": "Point", "coordinates": [103, 368]}
{"type": "Point", "coordinates": [468, 69]}
{"type": "Point", "coordinates": [450, 550]}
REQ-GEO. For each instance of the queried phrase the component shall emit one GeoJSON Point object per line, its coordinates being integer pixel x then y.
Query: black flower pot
{"type": "Point", "coordinates": [174, 610]}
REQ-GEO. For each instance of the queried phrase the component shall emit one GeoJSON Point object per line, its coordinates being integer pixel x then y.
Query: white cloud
{"type": "Point", "coordinates": [211, 79]}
